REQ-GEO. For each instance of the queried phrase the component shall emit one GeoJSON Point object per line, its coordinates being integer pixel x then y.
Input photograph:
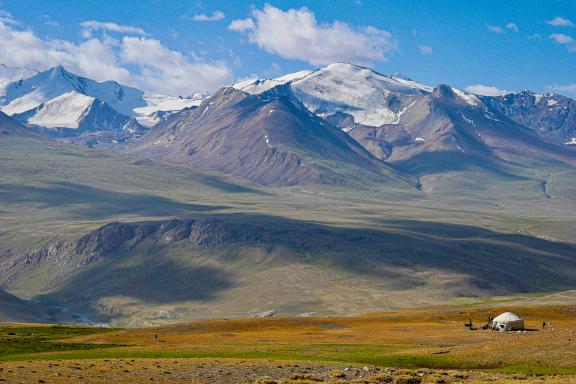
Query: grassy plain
{"type": "Point", "coordinates": [429, 345]}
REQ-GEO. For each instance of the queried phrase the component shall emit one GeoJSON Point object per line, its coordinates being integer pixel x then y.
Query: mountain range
{"type": "Point", "coordinates": [270, 139]}
{"type": "Point", "coordinates": [392, 117]}
{"type": "Point", "coordinates": [266, 129]}
{"type": "Point", "coordinates": [333, 191]}
{"type": "Point", "coordinates": [61, 104]}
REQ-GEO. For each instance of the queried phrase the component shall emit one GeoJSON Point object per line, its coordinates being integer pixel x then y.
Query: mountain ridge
{"type": "Point", "coordinates": [30, 89]}
{"type": "Point", "coordinates": [73, 114]}
{"type": "Point", "coordinates": [266, 138]}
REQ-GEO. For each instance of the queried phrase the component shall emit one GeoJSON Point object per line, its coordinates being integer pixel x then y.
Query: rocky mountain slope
{"type": "Point", "coordinates": [267, 138]}
{"type": "Point", "coordinates": [452, 130]}
{"type": "Point", "coordinates": [551, 116]}
{"type": "Point", "coordinates": [11, 127]}
{"type": "Point", "coordinates": [426, 131]}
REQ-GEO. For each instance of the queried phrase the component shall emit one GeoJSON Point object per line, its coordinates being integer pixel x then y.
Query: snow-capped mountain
{"type": "Point", "coordinates": [267, 138]}
{"type": "Point", "coordinates": [11, 74]}
{"type": "Point", "coordinates": [257, 86]}
{"type": "Point", "coordinates": [65, 103]}
{"type": "Point", "coordinates": [159, 107]}
{"type": "Point", "coordinates": [369, 98]}
{"type": "Point", "coordinates": [424, 130]}
{"type": "Point", "coordinates": [449, 129]}
{"type": "Point", "coordinates": [550, 115]}
{"type": "Point", "coordinates": [29, 93]}
{"type": "Point", "coordinates": [74, 113]}
{"type": "Point", "coordinates": [394, 118]}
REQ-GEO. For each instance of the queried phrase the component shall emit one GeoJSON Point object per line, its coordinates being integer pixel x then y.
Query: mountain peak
{"type": "Point", "coordinates": [399, 76]}
{"type": "Point", "coordinates": [447, 93]}
{"type": "Point", "coordinates": [268, 138]}
{"type": "Point", "coordinates": [443, 90]}
{"type": "Point", "coordinates": [58, 69]}
{"type": "Point", "coordinates": [342, 64]}
{"type": "Point", "coordinates": [56, 81]}
{"type": "Point", "coordinates": [349, 69]}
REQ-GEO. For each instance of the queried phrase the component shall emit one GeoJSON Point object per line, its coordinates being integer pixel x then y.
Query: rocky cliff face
{"type": "Point", "coordinates": [66, 258]}
{"type": "Point", "coordinates": [551, 116]}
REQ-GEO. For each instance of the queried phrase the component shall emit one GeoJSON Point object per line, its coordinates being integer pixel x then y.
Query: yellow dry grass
{"type": "Point", "coordinates": [421, 345]}
{"type": "Point", "coordinates": [437, 331]}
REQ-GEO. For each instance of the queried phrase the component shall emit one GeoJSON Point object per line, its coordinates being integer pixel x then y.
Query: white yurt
{"type": "Point", "coordinates": [507, 321]}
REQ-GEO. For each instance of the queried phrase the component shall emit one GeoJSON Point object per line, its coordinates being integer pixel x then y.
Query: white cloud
{"type": "Point", "coordinates": [242, 25]}
{"type": "Point", "coordinates": [512, 27]}
{"type": "Point", "coordinates": [495, 29]}
{"type": "Point", "coordinates": [93, 25]}
{"type": "Point", "coordinates": [425, 49]}
{"type": "Point", "coordinates": [135, 61]}
{"type": "Point", "coordinates": [561, 38]}
{"type": "Point", "coordinates": [569, 89]}
{"type": "Point", "coordinates": [169, 70]}
{"type": "Point", "coordinates": [566, 40]}
{"type": "Point", "coordinates": [296, 34]}
{"type": "Point", "coordinates": [215, 16]}
{"type": "Point", "coordinates": [485, 90]}
{"type": "Point", "coordinates": [559, 21]}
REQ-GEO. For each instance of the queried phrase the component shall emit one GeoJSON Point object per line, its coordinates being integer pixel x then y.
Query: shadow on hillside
{"type": "Point", "coordinates": [155, 283]}
{"type": "Point", "coordinates": [491, 263]}
{"type": "Point", "coordinates": [429, 163]}
{"type": "Point", "coordinates": [494, 261]}
{"type": "Point", "coordinates": [228, 187]}
{"type": "Point", "coordinates": [95, 203]}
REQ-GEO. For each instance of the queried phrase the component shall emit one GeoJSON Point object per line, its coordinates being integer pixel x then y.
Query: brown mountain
{"type": "Point", "coordinates": [448, 129]}
{"type": "Point", "coordinates": [11, 127]}
{"type": "Point", "coordinates": [267, 138]}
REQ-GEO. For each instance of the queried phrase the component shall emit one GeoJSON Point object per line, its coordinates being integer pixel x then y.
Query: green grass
{"type": "Point", "coordinates": [385, 355]}
{"type": "Point", "coordinates": [358, 355]}
{"type": "Point", "coordinates": [31, 340]}
{"type": "Point", "coordinates": [536, 369]}
{"type": "Point", "coordinates": [44, 343]}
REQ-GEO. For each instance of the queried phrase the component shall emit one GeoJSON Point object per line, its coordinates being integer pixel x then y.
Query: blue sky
{"type": "Point", "coordinates": [187, 46]}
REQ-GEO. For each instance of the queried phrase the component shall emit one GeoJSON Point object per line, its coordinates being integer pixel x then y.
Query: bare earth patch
{"type": "Point", "coordinates": [107, 371]}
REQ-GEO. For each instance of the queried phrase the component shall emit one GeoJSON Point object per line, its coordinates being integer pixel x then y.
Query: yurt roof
{"type": "Point", "coordinates": [507, 317]}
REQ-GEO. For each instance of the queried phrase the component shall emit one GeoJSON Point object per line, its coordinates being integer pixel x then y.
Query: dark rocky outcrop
{"type": "Point", "coordinates": [551, 116]}
{"type": "Point", "coordinates": [114, 238]}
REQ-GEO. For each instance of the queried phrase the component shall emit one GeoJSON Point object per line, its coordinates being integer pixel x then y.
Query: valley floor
{"type": "Point", "coordinates": [410, 346]}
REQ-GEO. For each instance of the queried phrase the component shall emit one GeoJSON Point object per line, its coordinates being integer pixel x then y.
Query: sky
{"type": "Point", "coordinates": [183, 47]}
